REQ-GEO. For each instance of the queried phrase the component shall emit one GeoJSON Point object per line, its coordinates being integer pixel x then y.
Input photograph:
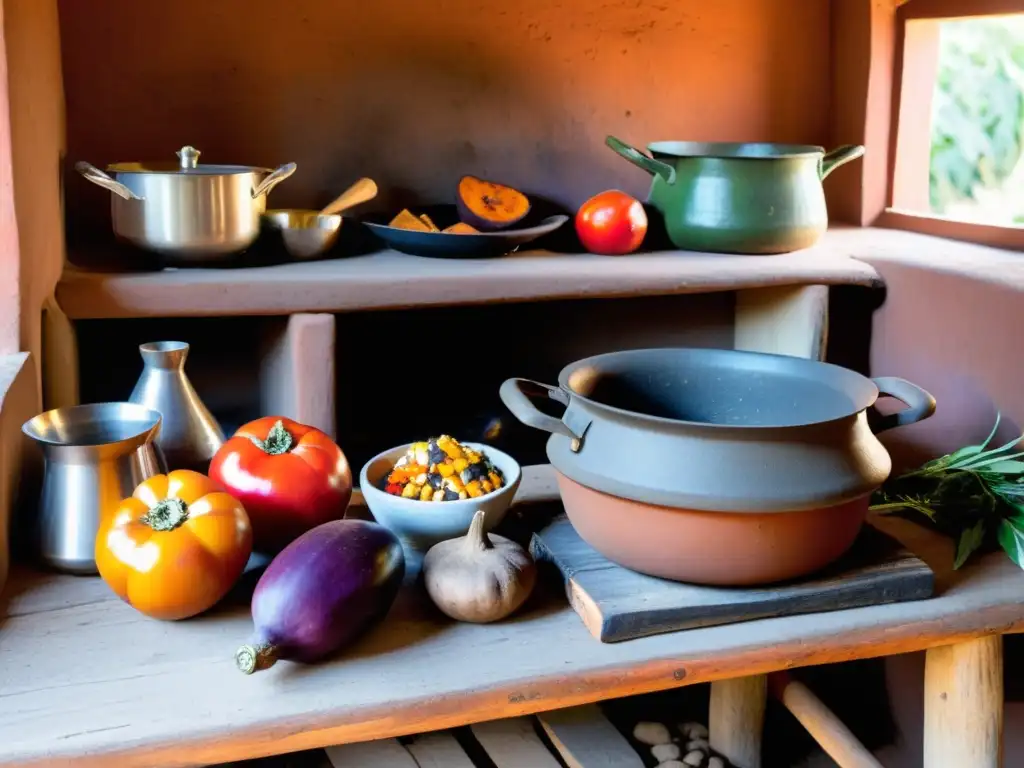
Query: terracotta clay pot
{"type": "Point", "coordinates": [718, 548]}
{"type": "Point", "coordinates": [716, 466]}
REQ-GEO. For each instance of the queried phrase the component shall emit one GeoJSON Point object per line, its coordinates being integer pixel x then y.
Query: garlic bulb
{"type": "Point", "coordinates": [480, 577]}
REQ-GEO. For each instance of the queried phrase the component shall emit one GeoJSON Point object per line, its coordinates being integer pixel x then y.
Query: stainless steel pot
{"type": "Point", "coordinates": [94, 457]}
{"type": "Point", "coordinates": [717, 430]}
{"type": "Point", "coordinates": [185, 211]}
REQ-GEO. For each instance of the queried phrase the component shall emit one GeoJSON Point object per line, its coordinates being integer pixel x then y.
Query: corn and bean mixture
{"type": "Point", "coordinates": [442, 469]}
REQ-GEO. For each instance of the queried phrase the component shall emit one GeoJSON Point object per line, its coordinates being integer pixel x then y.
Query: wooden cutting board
{"type": "Point", "coordinates": [618, 604]}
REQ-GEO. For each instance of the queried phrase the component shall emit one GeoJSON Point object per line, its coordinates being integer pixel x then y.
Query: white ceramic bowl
{"type": "Point", "coordinates": [421, 524]}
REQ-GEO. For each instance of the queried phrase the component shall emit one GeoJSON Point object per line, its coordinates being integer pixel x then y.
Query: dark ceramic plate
{"type": "Point", "coordinates": [450, 246]}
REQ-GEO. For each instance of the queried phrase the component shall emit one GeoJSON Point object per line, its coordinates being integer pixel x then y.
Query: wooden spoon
{"type": "Point", "coordinates": [362, 191]}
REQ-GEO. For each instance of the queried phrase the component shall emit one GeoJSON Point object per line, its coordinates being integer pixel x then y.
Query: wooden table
{"type": "Point", "coordinates": [85, 680]}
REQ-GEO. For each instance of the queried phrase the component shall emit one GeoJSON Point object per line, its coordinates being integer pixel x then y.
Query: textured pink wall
{"type": "Point", "coordinates": [37, 140]}
{"type": "Point", "coordinates": [31, 233]}
{"type": "Point", "coordinates": [418, 93]}
{"type": "Point", "coordinates": [9, 258]}
{"type": "Point", "coordinates": [959, 338]}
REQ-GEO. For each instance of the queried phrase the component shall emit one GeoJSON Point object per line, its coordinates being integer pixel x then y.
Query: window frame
{"type": "Point", "coordinates": [915, 59]}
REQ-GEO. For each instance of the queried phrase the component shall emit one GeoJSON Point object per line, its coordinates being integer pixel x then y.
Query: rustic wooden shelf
{"type": "Point", "coordinates": [388, 279]}
{"type": "Point", "coordinates": [86, 681]}
{"type": "Point", "coordinates": [981, 263]}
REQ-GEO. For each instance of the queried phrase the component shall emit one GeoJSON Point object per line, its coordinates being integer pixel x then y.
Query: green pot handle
{"type": "Point", "coordinates": [839, 156]}
{"type": "Point", "coordinates": [640, 160]}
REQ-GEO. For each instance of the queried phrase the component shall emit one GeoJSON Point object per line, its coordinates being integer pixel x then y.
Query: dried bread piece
{"type": "Point", "coordinates": [461, 228]}
{"type": "Point", "coordinates": [431, 225]}
{"type": "Point", "coordinates": [406, 220]}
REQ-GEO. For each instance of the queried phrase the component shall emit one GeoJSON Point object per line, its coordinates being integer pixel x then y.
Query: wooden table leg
{"type": "Point", "coordinates": [963, 704]}
{"type": "Point", "coordinates": [784, 320]}
{"type": "Point", "coordinates": [736, 719]}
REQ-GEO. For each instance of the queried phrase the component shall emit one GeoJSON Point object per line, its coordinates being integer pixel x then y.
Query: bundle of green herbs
{"type": "Point", "coordinates": [975, 495]}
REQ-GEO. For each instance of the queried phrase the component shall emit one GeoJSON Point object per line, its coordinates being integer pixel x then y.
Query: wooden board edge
{"type": "Point", "coordinates": [614, 629]}
{"type": "Point", "coordinates": [581, 602]}
{"type": "Point", "coordinates": [913, 584]}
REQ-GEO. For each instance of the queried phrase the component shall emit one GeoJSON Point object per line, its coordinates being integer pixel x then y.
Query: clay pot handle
{"type": "Point", "coordinates": [920, 404]}
{"type": "Point", "coordinates": [516, 394]}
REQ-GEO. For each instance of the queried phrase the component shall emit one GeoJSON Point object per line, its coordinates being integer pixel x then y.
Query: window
{"type": "Point", "coordinates": [958, 133]}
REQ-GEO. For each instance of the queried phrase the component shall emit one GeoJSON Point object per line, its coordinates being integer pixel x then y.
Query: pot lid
{"type": "Point", "coordinates": [188, 163]}
{"type": "Point", "coordinates": [717, 389]}
{"type": "Point", "coordinates": [746, 151]}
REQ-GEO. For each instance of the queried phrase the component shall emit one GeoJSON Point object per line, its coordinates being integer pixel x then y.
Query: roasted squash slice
{"type": "Point", "coordinates": [489, 206]}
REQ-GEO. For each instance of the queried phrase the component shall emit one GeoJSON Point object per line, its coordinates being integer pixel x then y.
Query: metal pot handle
{"type": "Point", "coordinates": [640, 160]}
{"type": "Point", "coordinates": [280, 174]}
{"type": "Point", "coordinates": [920, 404]}
{"type": "Point", "coordinates": [516, 394]}
{"type": "Point", "coordinates": [98, 177]}
{"type": "Point", "coordinates": [839, 156]}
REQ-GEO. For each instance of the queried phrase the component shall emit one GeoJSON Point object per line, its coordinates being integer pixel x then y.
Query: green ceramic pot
{"type": "Point", "coordinates": [739, 198]}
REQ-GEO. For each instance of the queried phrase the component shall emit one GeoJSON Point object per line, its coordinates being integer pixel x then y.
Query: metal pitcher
{"type": "Point", "coordinates": [190, 435]}
{"type": "Point", "coordinates": [94, 456]}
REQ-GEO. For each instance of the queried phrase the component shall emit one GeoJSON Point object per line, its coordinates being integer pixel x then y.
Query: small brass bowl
{"type": "Point", "coordinates": [306, 234]}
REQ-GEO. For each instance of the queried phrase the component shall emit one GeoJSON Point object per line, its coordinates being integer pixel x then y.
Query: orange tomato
{"type": "Point", "coordinates": [175, 547]}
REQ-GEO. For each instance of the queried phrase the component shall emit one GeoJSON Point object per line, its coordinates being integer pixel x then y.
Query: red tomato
{"type": "Point", "coordinates": [289, 477]}
{"type": "Point", "coordinates": [611, 223]}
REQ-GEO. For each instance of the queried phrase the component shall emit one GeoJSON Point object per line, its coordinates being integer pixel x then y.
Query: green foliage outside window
{"type": "Point", "coordinates": [978, 111]}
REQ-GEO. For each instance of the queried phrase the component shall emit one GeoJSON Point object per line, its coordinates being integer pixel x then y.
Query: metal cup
{"type": "Point", "coordinates": [94, 456]}
{"type": "Point", "coordinates": [306, 234]}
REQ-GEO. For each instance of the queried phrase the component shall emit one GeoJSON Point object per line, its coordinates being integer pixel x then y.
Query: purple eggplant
{"type": "Point", "coordinates": [322, 591]}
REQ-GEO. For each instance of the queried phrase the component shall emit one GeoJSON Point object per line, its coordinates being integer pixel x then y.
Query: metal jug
{"type": "Point", "coordinates": [190, 435]}
{"type": "Point", "coordinates": [94, 456]}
